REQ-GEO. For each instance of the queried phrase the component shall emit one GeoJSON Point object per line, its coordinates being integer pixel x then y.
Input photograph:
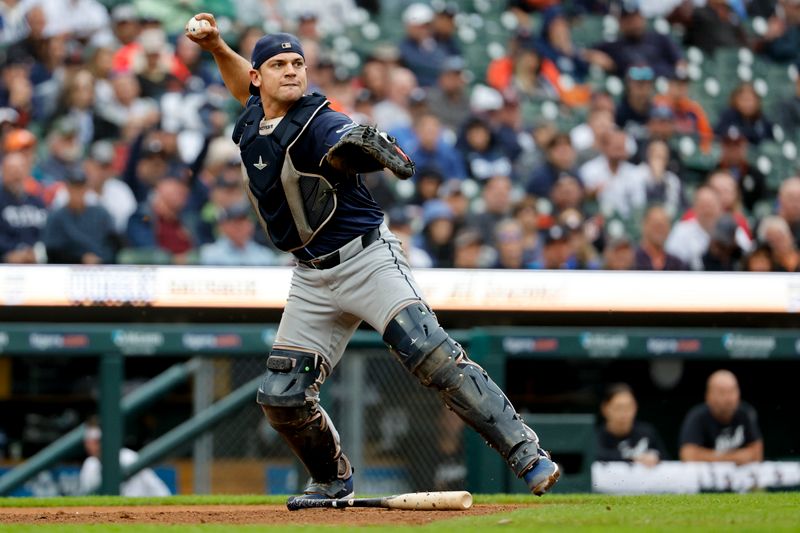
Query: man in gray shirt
{"type": "Point", "coordinates": [77, 232]}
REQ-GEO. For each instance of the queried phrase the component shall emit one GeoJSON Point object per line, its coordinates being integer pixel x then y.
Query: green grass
{"type": "Point", "coordinates": [210, 499]}
{"type": "Point", "coordinates": [706, 512]}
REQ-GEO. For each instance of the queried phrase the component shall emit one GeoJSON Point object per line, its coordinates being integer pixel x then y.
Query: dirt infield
{"type": "Point", "coordinates": [233, 514]}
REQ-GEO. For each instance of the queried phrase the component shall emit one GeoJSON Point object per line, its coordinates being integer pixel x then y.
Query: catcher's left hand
{"type": "Point", "coordinates": [365, 149]}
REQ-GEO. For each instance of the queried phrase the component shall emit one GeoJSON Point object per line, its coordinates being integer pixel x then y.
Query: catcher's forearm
{"type": "Point", "coordinates": [235, 71]}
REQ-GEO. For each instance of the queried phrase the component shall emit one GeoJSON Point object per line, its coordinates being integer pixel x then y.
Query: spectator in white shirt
{"type": "Point", "coordinates": [618, 184]}
{"type": "Point", "coordinates": [662, 186]}
{"type": "Point", "coordinates": [145, 483]}
{"type": "Point", "coordinates": [82, 18]}
{"type": "Point", "coordinates": [235, 245]}
{"type": "Point", "coordinates": [689, 239]}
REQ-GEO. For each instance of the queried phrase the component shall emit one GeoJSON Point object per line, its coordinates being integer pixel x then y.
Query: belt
{"type": "Point", "coordinates": [348, 251]}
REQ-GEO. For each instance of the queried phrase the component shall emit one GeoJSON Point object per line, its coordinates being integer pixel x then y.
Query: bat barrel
{"type": "Point", "coordinates": [458, 500]}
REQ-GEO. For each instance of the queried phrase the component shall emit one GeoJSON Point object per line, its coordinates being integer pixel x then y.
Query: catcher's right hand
{"type": "Point", "coordinates": [208, 38]}
{"type": "Point", "coordinates": [365, 149]}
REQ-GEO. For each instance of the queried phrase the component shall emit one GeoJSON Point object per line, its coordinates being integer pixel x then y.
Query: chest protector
{"type": "Point", "coordinates": [292, 206]}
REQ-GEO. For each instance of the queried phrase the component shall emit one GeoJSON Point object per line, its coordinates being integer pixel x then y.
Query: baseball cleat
{"type": "Point", "coordinates": [336, 489]}
{"type": "Point", "coordinates": [543, 475]}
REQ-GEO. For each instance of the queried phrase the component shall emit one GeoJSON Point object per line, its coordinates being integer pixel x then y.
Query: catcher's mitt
{"type": "Point", "coordinates": [365, 149]}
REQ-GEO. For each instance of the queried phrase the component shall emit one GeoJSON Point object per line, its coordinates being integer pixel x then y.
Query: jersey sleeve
{"type": "Point", "coordinates": [692, 429]}
{"type": "Point", "coordinates": [606, 450]}
{"type": "Point", "coordinates": [325, 131]}
{"type": "Point", "coordinates": [752, 432]}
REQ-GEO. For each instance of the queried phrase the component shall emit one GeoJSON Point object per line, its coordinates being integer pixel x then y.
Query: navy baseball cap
{"type": "Point", "coordinates": [272, 45]}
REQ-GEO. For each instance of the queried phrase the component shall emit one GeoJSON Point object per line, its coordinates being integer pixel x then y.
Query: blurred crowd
{"type": "Point", "coordinates": [537, 152]}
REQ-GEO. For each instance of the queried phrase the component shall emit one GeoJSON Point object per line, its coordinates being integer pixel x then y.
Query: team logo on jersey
{"type": "Point", "coordinates": [260, 165]}
{"type": "Point", "coordinates": [347, 127]}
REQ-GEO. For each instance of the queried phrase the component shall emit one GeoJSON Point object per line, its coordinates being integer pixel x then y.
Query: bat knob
{"type": "Point", "coordinates": [292, 504]}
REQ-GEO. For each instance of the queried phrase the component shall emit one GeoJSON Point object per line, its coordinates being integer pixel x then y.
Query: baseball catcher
{"type": "Point", "coordinates": [302, 164]}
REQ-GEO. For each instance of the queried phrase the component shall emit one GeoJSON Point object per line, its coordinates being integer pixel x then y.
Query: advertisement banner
{"type": "Point", "coordinates": [444, 289]}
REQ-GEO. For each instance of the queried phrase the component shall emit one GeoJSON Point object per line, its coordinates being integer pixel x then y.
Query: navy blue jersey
{"type": "Point", "coordinates": [22, 219]}
{"type": "Point", "coordinates": [307, 207]}
{"type": "Point", "coordinates": [357, 212]}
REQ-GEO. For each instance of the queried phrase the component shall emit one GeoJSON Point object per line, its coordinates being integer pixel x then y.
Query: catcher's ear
{"type": "Point", "coordinates": [255, 77]}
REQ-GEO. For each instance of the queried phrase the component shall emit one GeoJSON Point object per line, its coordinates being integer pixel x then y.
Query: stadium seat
{"type": "Point", "coordinates": [536, 111]}
{"type": "Point", "coordinates": [570, 438]}
{"type": "Point", "coordinates": [588, 30]}
{"type": "Point", "coordinates": [777, 161]}
{"type": "Point", "coordinates": [696, 162]}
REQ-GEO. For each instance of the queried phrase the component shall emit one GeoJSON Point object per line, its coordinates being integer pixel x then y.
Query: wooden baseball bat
{"type": "Point", "coordinates": [413, 501]}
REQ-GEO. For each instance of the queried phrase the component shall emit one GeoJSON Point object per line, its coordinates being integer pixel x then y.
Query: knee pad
{"type": "Point", "coordinates": [292, 378]}
{"type": "Point", "coordinates": [289, 393]}
{"type": "Point", "coordinates": [289, 397]}
{"type": "Point", "coordinates": [414, 333]}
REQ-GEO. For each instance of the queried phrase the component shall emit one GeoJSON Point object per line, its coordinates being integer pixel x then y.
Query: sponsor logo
{"type": "Point", "coordinates": [98, 285]}
{"type": "Point", "coordinates": [604, 344]}
{"type": "Point", "coordinates": [57, 341]}
{"type": "Point", "coordinates": [749, 346]}
{"type": "Point", "coordinates": [662, 345]}
{"type": "Point", "coordinates": [210, 341]}
{"type": "Point", "coordinates": [3, 340]}
{"type": "Point", "coordinates": [518, 345]}
{"type": "Point", "coordinates": [139, 342]}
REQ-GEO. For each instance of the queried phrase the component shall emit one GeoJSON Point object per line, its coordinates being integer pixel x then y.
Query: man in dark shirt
{"type": "Point", "coordinates": [723, 428]}
{"type": "Point", "coordinates": [419, 50]}
{"type": "Point", "coordinates": [715, 25]}
{"type": "Point", "coordinates": [164, 222]}
{"type": "Point", "coordinates": [633, 111]}
{"type": "Point", "coordinates": [560, 158]}
{"type": "Point", "coordinates": [651, 255]}
{"type": "Point", "coordinates": [79, 233]}
{"type": "Point", "coordinates": [22, 216]}
{"type": "Point", "coordinates": [637, 43]}
{"type": "Point", "coordinates": [734, 159]}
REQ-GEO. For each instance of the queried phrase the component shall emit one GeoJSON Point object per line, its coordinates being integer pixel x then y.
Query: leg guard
{"type": "Point", "coordinates": [423, 347]}
{"type": "Point", "coordinates": [289, 397]}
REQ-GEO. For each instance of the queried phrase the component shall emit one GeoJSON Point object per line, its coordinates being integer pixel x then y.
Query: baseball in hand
{"type": "Point", "coordinates": [196, 26]}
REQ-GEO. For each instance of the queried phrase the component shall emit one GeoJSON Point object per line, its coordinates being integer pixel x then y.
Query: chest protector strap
{"type": "Point", "coordinates": [292, 206]}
